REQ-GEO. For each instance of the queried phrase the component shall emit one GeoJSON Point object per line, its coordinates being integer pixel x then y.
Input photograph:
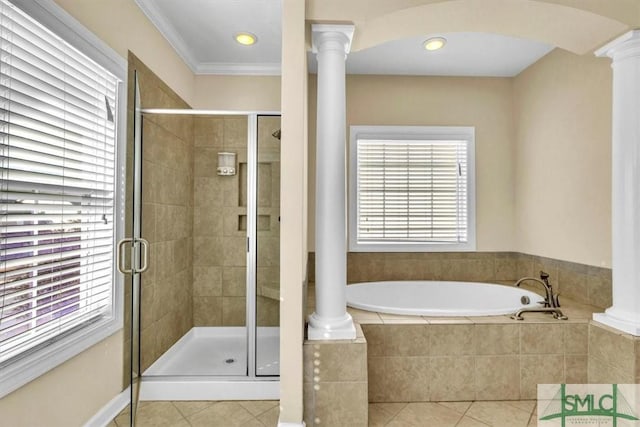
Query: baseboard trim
{"type": "Point", "coordinates": [109, 411]}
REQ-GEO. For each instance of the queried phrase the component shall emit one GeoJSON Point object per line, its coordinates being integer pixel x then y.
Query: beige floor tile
{"type": "Point", "coordinates": [470, 422]}
{"type": "Point", "coordinates": [159, 414]}
{"type": "Point", "coordinates": [524, 405]}
{"type": "Point", "coordinates": [257, 407]}
{"type": "Point", "coordinates": [460, 407]}
{"type": "Point", "coordinates": [270, 417]}
{"type": "Point", "coordinates": [425, 414]}
{"type": "Point", "coordinates": [223, 414]}
{"type": "Point", "coordinates": [381, 413]}
{"type": "Point", "coordinates": [498, 414]}
{"type": "Point", "coordinates": [188, 408]}
{"type": "Point", "coordinates": [533, 421]}
{"type": "Point", "coordinates": [112, 424]}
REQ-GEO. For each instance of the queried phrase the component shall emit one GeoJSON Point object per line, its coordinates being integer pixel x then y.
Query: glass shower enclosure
{"type": "Point", "coordinates": [204, 319]}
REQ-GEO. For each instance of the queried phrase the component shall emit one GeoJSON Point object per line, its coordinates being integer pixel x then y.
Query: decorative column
{"type": "Point", "coordinates": [331, 43]}
{"type": "Point", "coordinates": [625, 204]}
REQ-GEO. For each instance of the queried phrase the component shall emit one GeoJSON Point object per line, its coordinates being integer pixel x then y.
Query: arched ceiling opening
{"type": "Point", "coordinates": [577, 26]}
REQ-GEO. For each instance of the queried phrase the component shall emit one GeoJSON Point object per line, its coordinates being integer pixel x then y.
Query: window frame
{"type": "Point", "coordinates": [39, 361]}
{"type": "Point", "coordinates": [407, 133]}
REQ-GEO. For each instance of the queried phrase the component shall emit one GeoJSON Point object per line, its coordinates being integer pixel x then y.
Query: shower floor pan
{"type": "Point", "coordinates": [210, 363]}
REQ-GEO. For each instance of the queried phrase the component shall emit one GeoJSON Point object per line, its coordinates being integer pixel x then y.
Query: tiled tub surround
{"type": "Point", "coordinates": [614, 356]}
{"type": "Point", "coordinates": [455, 359]}
{"type": "Point", "coordinates": [428, 359]}
{"type": "Point", "coordinates": [335, 382]}
{"type": "Point", "coordinates": [581, 283]}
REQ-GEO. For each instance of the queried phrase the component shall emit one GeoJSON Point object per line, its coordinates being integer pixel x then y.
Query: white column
{"type": "Point", "coordinates": [625, 204]}
{"type": "Point", "coordinates": [331, 43]}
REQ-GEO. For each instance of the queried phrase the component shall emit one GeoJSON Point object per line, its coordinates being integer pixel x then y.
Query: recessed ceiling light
{"type": "Point", "coordinates": [246, 39]}
{"type": "Point", "coordinates": [435, 43]}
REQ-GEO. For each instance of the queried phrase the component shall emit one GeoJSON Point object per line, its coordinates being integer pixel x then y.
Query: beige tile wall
{"type": "Point", "coordinates": [166, 291]}
{"type": "Point", "coordinates": [582, 283]}
{"type": "Point", "coordinates": [335, 382]}
{"type": "Point", "coordinates": [614, 357]}
{"type": "Point", "coordinates": [219, 223]}
{"type": "Point", "coordinates": [472, 361]}
{"type": "Point", "coordinates": [268, 223]}
{"type": "Point", "coordinates": [219, 272]}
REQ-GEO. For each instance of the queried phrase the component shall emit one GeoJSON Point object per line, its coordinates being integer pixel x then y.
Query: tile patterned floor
{"type": "Point", "coordinates": [257, 413]}
{"type": "Point", "coordinates": [519, 413]}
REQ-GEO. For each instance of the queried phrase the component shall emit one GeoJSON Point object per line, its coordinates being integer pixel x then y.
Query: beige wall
{"type": "Point", "coordinates": [485, 103]}
{"type": "Point", "coordinates": [293, 203]}
{"type": "Point", "coordinates": [71, 393]}
{"type": "Point", "coordinates": [252, 93]}
{"type": "Point", "coordinates": [77, 389]}
{"type": "Point", "coordinates": [123, 26]}
{"type": "Point", "coordinates": [563, 158]}
{"type": "Point", "coordinates": [576, 25]}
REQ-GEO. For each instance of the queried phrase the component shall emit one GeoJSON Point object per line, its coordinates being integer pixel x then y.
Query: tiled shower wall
{"type": "Point", "coordinates": [219, 244]}
{"type": "Point", "coordinates": [582, 283]}
{"type": "Point", "coordinates": [220, 223]}
{"type": "Point", "coordinates": [268, 223]}
{"type": "Point", "coordinates": [167, 204]}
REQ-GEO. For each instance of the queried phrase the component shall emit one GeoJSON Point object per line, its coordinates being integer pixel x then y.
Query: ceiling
{"type": "Point", "coordinates": [202, 32]}
{"type": "Point", "coordinates": [465, 54]}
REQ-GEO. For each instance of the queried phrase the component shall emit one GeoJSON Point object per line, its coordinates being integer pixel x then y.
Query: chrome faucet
{"type": "Point", "coordinates": [551, 300]}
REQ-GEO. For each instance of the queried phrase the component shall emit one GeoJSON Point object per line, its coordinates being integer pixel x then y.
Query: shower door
{"type": "Point", "coordinates": [132, 255]}
{"type": "Point", "coordinates": [267, 229]}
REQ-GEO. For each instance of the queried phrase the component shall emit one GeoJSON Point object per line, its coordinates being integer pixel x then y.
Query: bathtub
{"type": "Point", "coordinates": [432, 298]}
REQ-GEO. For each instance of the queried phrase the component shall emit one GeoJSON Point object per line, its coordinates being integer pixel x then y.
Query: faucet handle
{"type": "Point", "coordinates": [543, 275]}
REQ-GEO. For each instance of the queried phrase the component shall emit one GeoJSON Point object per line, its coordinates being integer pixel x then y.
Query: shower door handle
{"type": "Point", "coordinates": [120, 256]}
{"type": "Point", "coordinates": [145, 255]}
{"type": "Point", "coordinates": [139, 265]}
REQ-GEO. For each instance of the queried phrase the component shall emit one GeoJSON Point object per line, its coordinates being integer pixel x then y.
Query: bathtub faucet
{"type": "Point", "coordinates": [551, 300]}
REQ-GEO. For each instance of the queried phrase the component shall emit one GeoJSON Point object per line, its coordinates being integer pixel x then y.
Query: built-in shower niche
{"type": "Point", "coordinates": [263, 223]}
{"type": "Point", "coordinates": [267, 228]}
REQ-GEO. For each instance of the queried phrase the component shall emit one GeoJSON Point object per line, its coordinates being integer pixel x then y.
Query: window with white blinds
{"type": "Point", "coordinates": [412, 188]}
{"type": "Point", "coordinates": [57, 183]}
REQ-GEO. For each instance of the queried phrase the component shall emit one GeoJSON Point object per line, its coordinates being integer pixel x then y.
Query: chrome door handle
{"type": "Point", "coordinates": [145, 255]}
{"type": "Point", "coordinates": [120, 258]}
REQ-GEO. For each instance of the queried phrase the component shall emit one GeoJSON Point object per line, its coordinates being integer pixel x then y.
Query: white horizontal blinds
{"type": "Point", "coordinates": [57, 152]}
{"type": "Point", "coordinates": [412, 191]}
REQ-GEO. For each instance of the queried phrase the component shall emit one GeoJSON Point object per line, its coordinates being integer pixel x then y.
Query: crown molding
{"type": "Point", "coordinates": [150, 9]}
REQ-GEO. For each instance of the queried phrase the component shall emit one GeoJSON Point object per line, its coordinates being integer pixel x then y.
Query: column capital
{"type": "Point", "coordinates": [322, 32]}
{"type": "Point", "coordinates": [627, 45]}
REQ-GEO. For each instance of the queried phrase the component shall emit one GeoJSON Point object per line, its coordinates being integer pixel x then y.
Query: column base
{"type": "Point", "coordinates": [617, 320]}
{"type": "Point", "coordinates": [341, 328]}
{"type": "Point", "coordinates": [283, 424]}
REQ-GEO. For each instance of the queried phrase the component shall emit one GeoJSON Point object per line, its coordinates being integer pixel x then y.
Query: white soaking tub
{"type": "Point", "coordinates": [433, 298]}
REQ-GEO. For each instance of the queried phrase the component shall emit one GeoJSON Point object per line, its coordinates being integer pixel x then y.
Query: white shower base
{"type": "Point", "coordinates": [210, 363]}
